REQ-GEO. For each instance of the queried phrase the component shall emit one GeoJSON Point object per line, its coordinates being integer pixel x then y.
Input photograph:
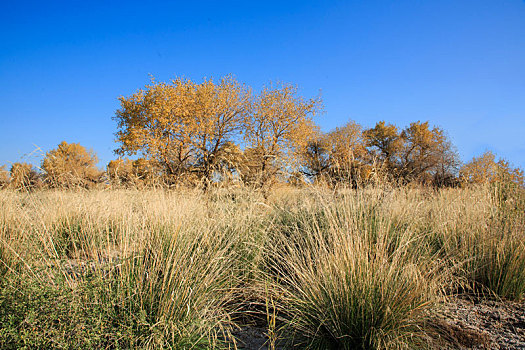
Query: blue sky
{"type": "Point", "coordinates": [458, 63]}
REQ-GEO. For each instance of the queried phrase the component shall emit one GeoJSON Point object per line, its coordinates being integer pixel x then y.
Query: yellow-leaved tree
{"type": "Point", "coordinates": [316, 158]}
{"type": "Point", "coordinates": [348, 154]}
{"type": "Point", "coordinates": [417, 153]}
{"type": "Point", "coordinates": [276, 133]}
{"type": "Point", "coordinates": [70, 165]}
{"type": "Point", "coordinates": [384, 144]}
{"type": "Point", "coordinates": [138, 173]}
{"type": "Point", "coordinates": [183, 126]}
{"type": "Point", "coordinates": [485, 169]}
{"type": "Point", "coordinates": [23, 176]}
{"type": "Point", "coordinates": [338, 156]}
{"type": "Point", "coordinates": [427, 154]}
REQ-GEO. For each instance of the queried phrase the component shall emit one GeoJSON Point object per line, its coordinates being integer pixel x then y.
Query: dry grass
{"type": "Point", "coordinates": [353, 268]}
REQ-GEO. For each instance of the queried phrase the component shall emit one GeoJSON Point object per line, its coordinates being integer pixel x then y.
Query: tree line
{"type": "Point", "coordinates": [184, 133]}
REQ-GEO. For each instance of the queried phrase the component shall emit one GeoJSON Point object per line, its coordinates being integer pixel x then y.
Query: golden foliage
{"type": "Point", "coordinates": [191, 133]}
{"type": "Point", "coordinates": [278, 130]}
{"type": "Point", "coordinates": [384, 142]}
{"type": "Point", "coordinates": [257, 169]}
{"type": "Point", "coordinates": [229, 162]}
{"type": "Point", "coordinates": [70, 164]}
{"type": "Point", "coordinates": [485, 169]}
{"type": "Point", "coordinates": [120, 171]}
{"type": "Point", "coordinates": [137, 173]}
{"type": "Point", "coordinates": [23, 176]}
{"type": "Point", "coordinates": [144, 171]}
{"type": "Point", "coordinates": [190, 129]}
{"type": "Point", "coordinates": [338, 156]}
{"type": "Point", "coordinates": [347, 144]}
{"type": "Point", "coordinates": [417, 153]}
{"type": "Point", "coordinates": [348, 153]}
{"type": "Point", "coordinates": [426, 152]}
{"type": "Point", "coordinates": [183, 125]}
{"type": "Point", "coordinates": [353, 156]}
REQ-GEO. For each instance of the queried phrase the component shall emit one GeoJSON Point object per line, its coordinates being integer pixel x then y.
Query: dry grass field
{"type": "Point", "coordinates": [313, 268]}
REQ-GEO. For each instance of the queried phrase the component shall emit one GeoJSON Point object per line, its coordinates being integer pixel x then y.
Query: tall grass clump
{"type": "Point", "coordinates": [179, 283]}
{"type": "Point", "coordinates": [479, 232]}
{"type": "Point", "coordinates": [495, 261]}
{"type": "Point", "coordinates": [343, 279]}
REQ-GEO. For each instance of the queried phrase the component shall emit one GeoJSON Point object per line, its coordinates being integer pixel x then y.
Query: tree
{"type": "Point", "coordinates": [155, 123]}
{"type": "Point", "coordinates": [256, 169]}
{"type": "Point", "coordinates": [316, 158]}
{"type": "Point", "coordinates": [348, 154]}
{"type": "Point", "coordinates": [278, 129]}
{"type": "Point", "coordinates": [145, 171]}
{"type": "Point", "coordinates": [139, 172]}
{"type": "Point", "coordinates": [426, 154]}
{"type": "Point", "coordinates": [23, 176]}
{"type": "Point", "coordinates": [417, 153]}
{"type": "Point", "coordinates": [384, 143]}
{"type": "Point", "coordinates": [70, 164]}
{"type": "Point", "coordinates": [183, 126]}
{"type": "Point", "coordinates": [338, 156]}
{"type": "Point", "coordinates": [225, 109]}
{"type": "Point", "coordinates": [485, 169]}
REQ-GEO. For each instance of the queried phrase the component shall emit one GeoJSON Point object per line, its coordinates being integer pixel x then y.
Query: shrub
{"type": "Point", "coordinates": [497, 257]}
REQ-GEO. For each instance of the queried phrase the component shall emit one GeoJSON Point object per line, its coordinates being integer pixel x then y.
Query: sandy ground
{"type": "Point", "coordinates": [485, 324]}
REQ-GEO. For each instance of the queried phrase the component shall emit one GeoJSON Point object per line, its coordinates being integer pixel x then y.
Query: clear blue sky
{"type": "Point", "coordinates": [458, 63]}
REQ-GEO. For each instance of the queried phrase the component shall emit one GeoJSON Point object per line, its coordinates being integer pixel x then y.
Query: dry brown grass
{"type": "Point", "coordinates": [339, 268]}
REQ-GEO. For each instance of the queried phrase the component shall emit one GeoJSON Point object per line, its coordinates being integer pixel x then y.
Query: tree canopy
{"type": "Point", "coordinates": [219, 132]}
{"type": "Point", "coordinates": [278, 129]}
{"type": "Point", "coordinates": [183, 125]}
{"type": "Point", "coordinates": [189, 129]}
{"type": "Point", "coordinates": [485, 169]}
{"type": "Point", "coordinates": [23, 176]}
{"type": "Point", "coordinates": [70, 164]}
